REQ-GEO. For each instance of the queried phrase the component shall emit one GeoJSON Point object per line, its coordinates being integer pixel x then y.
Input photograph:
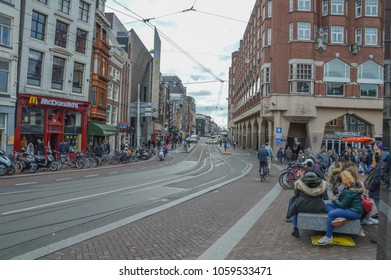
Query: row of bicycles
{"type": "Point", "coordinates": [54, 161]}
{"type": "Point", "coordinates": [292, 173]}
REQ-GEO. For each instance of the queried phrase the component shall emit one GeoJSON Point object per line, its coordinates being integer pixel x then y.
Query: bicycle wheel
{"type": "Point", "coordinates": [283, 180]}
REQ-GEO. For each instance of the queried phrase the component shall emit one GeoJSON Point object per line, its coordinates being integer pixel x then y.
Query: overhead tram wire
{"type": "Point", "coordinates": [205, 69]}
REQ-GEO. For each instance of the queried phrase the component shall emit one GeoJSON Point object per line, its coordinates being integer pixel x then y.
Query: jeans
{"type": "Point", "coordinates": [294, 221]}
{"type": "Point", "coordinates": [335, 212]}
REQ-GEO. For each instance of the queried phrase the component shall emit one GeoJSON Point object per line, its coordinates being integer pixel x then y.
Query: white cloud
{"type": "Point", "coordinates": [206, 34]}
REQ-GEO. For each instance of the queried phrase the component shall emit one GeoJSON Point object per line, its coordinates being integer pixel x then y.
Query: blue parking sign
{"type": "Point", "coordinates": [278, 130]}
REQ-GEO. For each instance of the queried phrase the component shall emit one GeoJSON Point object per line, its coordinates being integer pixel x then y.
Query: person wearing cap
{"type": "Point", "coordinates": [347, 206]}
{"type": "Point", "coordinates": [308, 193]}
{"type": "Point", "coordinates": [309, 166]}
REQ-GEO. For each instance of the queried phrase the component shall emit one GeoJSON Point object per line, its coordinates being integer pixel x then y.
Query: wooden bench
{"type": "Point", "coordinates": [318, 222]}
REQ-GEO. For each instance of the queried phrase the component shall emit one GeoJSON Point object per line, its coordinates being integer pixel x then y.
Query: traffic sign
{"type": "Point", "coordinates": [278, 130]}
{"type": "Point", "coordinates": [278, 141]}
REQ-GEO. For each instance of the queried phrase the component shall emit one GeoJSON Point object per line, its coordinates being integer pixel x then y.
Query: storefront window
{"type": "Point", "coordinates": [2, 131]}
{"type": "Point", "coordinates": [32, 126]}
{"type": "Point", "coordinates": [72, 129]}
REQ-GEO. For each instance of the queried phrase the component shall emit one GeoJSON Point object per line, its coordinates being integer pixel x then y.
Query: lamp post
{"type": "Point", "coordinates": [138, 126]}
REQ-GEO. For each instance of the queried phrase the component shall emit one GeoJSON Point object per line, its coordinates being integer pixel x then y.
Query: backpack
{"type": "Point", "coordinates": [368, 180]}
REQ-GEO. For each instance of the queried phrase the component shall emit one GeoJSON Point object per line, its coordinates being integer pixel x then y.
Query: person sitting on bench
{"type": "Point", "coordinates": [347, 206]}
{"type": "Point", "coordinates": [307, 198]}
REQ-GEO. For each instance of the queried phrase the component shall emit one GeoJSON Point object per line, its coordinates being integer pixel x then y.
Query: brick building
{"type": "Point", "coordinates": [310, 70]}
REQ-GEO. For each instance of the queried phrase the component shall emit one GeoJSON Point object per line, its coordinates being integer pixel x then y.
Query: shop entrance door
{"type": "Point", "coordinates": [54, 140]}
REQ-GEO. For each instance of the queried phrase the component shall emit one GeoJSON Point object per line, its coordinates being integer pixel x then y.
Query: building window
{"type": "Point", "coordinates": [335, 89]}
{"type": "Point", "coordinates": [78, 73]}
{"type": "Point", "coordinates": [290, 31]}
{"type": "Point", "coordinates": [337, 7]}
{"type": "Point", "coordinates": [336, 71]}
{"type": "Point", "coordinates": [93, 96]}
{"type": "Point", "coordinates": [41, 1]}
{"type": "Point", "coordinates": [64, 6]}
{"type": "Point", "coordinates": [300, 76]}
{"type": "Point", "coordinates": [101, 97]}
{"type": "Point", "coordinates": [304, 5]}
{"type": "Point", "coordinates": [115, 92]}
{"type": "Point", "coordinates": [266, 81]}
{"type": "Point", "coordinates": [359, 36]}
{"type": "Point", "coordinates": [371, 36]}
{"type": "Point", "coordinates": [352, 120]}
{"type": "Point", "coordinates": [114, 120]}
{"type": "Point", "coordinates": [290, 5]}
{"type": "Point", "coordinates": [81, 41]}
{"type": "Point", "coordinates": [368, 90]}
{"type": "Point", "coordinates": [333, 122]}
{"type": "Point", "coordinates": [304, 31]}
{"type": "Point", "coordinates": [371, 8]}
{"type": "Point", "coordinates": [84, 10]}
{"type": "Point", "coordinates": [325, 7]}
{"type": "Point", "coordinates": [337, 34]}
{"type": "Point", "coordinates": [5, 31]}
{"type": "Point", "coordinates": [370, 72]}
{"type": "Point", "coordinates": [269, 36]}
{"type": "Point", "coordinates": [61, 34]}
{"type": "Point", "coordinates": [358, 8]}
{"type": "Point", "coordinates": [4, 72]}
{"type": "Point", "coordinates": [269, 9]}
{"type": "Point", "coordinates": [38, 25]}
{"type": "Point", "coordinates": [108, 114]}
{"type": "Point", "coordinates": [100, 5]}
{"type": "Point", "coordinates": [58, 73]}
{"type": "Point", "coordinates": [103, 69]}
{"type": "Point", "coordinates": [110, 90]}
{"type": "Point", "coordinates": [34, 71]}
{"type": "Point", "coordinates": [325, 38]}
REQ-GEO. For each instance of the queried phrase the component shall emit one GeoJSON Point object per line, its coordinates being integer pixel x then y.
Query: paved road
{"type": "Point", "coordinates": [45, 212]}
{"type": "Point", "coordinates": [244, 220]}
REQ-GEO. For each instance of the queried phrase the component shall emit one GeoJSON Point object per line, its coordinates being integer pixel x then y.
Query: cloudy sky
{"type": "Point", "coordinates": [209, 33]}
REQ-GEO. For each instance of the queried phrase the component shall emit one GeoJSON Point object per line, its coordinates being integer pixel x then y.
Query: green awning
{"type": "Point", "coordinates": [101, 129]}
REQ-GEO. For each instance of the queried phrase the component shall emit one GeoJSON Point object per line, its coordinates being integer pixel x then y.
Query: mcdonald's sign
{"type": "Point", "coordinates": [33, 100]}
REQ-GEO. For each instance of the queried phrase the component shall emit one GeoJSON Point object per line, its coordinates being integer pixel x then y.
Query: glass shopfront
{"type": "Point", "coordinates": [51, 120]}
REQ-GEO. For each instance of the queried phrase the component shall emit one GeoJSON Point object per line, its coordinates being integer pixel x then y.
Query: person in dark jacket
{"type": "Point", "coordinates": [263, 154]}
{"type": "Point", "coordinates": [347, 206]}
{"type": "Point", "coordinates": [307, 198]}
{"type": "Point", "coordinates": [99, 150]}
{"type": "Point", "coordinates": [374, 188]}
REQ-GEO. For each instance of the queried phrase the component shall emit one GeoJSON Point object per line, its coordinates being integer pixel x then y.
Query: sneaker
{"type": "Point", "coordinates": [361, 233]}
{"type": "Point", "coordinates": [366, 222]}
{"type": "Point", "coordinates": [288, 220]}
{"type": "Point", "coordinates": [325, 240]}
{"type": "Point", "coordinates": [375, 216]}
{"type": "Point", "coordinates": [339, 222]}
{"type": "Point", "coordinates": [373, 221]}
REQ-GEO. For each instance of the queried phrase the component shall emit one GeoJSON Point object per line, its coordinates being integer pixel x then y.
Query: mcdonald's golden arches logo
{"type": "Point", "coordinates": [33, 100]}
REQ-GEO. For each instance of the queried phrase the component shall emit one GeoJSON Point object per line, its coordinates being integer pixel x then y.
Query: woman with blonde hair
{"type": "Point", "coordinates": [346, 207]}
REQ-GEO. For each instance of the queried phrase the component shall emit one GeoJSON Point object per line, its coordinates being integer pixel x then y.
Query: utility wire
{"type": "Point", "coordinates": [174, 44]}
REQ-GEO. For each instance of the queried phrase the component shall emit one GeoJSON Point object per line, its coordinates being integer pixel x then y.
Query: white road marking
{"type": "Point", "coordinates": [23, 184]}
{"type": "Point", "coordinates": [63, 179]}
{"type": "Point", "coordinates": [92, 175]}
{"type": "Point", "coordinates": [113, 172]}
{"type": "Point", "coordinates": [219, 164]}
{"type": "Point", "coordinates": [129, 170]}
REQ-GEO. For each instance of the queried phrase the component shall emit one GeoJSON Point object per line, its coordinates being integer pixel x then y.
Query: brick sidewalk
{"type": "Point", "coordinates": [187, 230]}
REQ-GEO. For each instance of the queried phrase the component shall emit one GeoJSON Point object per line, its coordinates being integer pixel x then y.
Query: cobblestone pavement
{"type": "Point", "coordinates": [188, 229]}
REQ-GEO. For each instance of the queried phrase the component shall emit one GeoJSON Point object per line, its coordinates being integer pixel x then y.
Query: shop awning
{"type": "Point", "coordinates": [101, 129]}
